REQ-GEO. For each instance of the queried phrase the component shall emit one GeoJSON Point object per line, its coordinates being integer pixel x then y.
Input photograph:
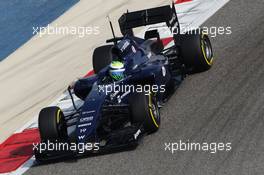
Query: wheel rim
{"type": "Point", "coordinates": [207, 50]}
{"type": "Point", "coordinates": [154, 111]}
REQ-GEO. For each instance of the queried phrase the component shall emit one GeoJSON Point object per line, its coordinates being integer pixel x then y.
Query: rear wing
{"type": "Point", "coordinates": [131, 20]}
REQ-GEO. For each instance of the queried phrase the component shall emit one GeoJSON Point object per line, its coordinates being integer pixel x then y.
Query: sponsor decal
{"type": "Point", "coordinates": [83, 130]}
{"type": "Point", "coordinates": [83, 125]}
{"type": "Point", "coordinates": [81, 137]}
{"type": "Point", "coordinates": [126, 44]}
{"type": "Point", "coordinates": [137, 134]}
{"type": "Point", "coordinates": [86, 119]}
{"type": "Point", "coordinates": [87, 112]}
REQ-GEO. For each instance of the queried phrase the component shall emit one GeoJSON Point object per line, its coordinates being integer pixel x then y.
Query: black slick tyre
{"type": "Point", "coordinates": [144, 110]}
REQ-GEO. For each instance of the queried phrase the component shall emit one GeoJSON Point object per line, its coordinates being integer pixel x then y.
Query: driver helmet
{"type": "Point", "coordinates": [117, 70]}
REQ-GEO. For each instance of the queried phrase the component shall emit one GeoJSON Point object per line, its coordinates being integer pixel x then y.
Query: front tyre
{"type": "Point", "coordinates": [52, 125]}
{"type": "Point", "coordinates": [144, 110]}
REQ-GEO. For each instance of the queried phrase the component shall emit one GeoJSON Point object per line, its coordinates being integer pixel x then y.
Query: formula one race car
{"type": "Point", "coordinates": [133, 79]}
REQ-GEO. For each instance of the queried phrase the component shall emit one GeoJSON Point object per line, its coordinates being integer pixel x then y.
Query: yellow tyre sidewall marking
{"type": "Point", "coordinates": [151, 113]}
{"type": "Point", "coordinates": [58, 116]}
{"type": "Point", "coordinates": [205, 57]}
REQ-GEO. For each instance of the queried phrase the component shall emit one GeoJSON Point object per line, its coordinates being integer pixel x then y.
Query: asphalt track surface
{"type": "Point", "coordinates": [222, 105]}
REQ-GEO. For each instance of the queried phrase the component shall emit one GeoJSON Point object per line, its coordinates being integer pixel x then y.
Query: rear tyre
{"type": "Point", "coordinates": [144, 110]}
{"type": "Point", "coordinates": [52, 125]}
{"type": "Point", "coordinates": [102, 57]}
{"type": "Point", "coordinates": [197, 52]}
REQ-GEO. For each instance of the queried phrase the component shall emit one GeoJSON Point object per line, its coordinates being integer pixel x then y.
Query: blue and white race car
{"type": "Point", "coordinates": [134, 77]}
